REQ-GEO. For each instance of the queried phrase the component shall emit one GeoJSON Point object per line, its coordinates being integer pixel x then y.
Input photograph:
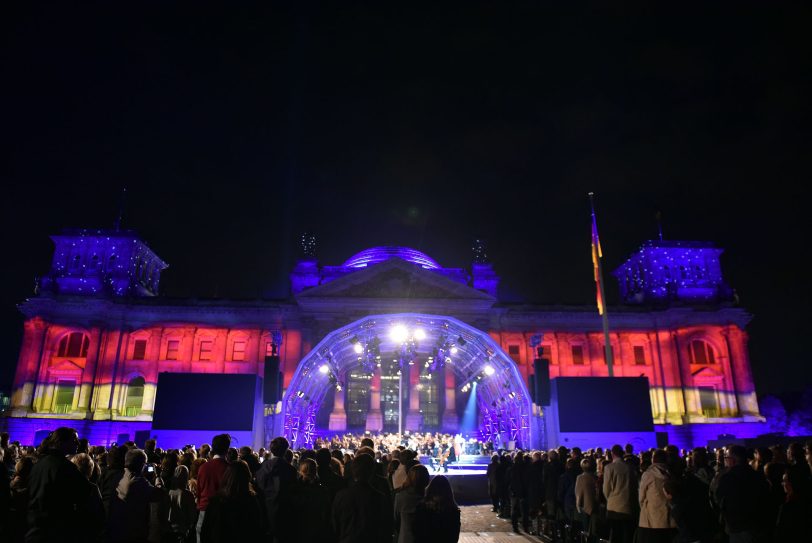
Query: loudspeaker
{"type": "Point", "coordinates": [272, 383]}
{"type": "Point", "coordinates": [531, 386]}
{"type": "Point", "coordinates": [541, 367]}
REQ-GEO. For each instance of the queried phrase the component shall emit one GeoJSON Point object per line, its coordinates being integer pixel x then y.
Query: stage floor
{"type": "Point", "coordinates": [459, 472]}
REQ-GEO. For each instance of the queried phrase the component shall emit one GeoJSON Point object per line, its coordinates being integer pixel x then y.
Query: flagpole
{"type": "Point", "coordinates": [604, 315]}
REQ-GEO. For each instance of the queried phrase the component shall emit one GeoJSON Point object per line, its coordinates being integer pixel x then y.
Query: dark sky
{"type": "Point", "coordinates": [234, 131]}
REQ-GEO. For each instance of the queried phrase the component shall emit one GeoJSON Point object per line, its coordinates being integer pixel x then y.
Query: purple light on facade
{"type": "Point", "coordinates": [673, 270]}
{"type": "Point", "coordinates": [376, 255]}
{"type": "Point", "coordinates": [92, 262]}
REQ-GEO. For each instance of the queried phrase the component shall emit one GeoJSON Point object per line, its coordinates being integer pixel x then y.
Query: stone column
{"type": "Point", "coordinates": [375, 415]}
{"type": "Point", "coordinates": [25, 379]}
{"type": "Point", "coordinates": [689, 396]}
{"type": "Point", "coordinates": [87, 381]}
{"type": "Point", "coordinates": [338, 418]}
{"type": "Point", "coordinates": [451, 422]}
{"type": "Point", "coordinates": [414, 418]}
{"type": "Point", "coordinates": [742, 374]}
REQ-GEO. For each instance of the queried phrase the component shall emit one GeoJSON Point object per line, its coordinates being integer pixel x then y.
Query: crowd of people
{"type": "Point", "coordinates": [67, 490]}
{"type": "Point", "coordinates": [376, 489]}
{"type": "Point", "coordinates": [661, 495]}
{"type": "Point", "coordinates": [427, 444]}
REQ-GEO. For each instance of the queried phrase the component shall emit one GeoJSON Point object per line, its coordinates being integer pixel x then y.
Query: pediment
{"type": "Point", "coordinates": [395, 279]}
{"type": "Point", "coordinates": [708, 373]}
{"type": "Point", "coordinates": [65, 366]}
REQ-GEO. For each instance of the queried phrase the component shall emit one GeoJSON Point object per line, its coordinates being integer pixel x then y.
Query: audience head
{"type": "Point", "coordinates": [362, 467]}
{"type": "Point", "coordinates": [617, 451]}
{"type": "Point", "coordinates": [180, 478]}
{"type": "Point", "coordinates": [236, 481]}
{"type": "Point", "coordinates": [65, 440]}
{"type": "Point", "coordinates": [323, 458]}
{"type": "Point", "coordinates": [440, 495]}
{"type": "Point", "coordinates": [588, 465]}
{"type": "Point", "coordinates": [795, 453]}
{"type": "Point", "coordinates": [659, 457]}
{"type": "Point", "coordinates": [149, 445]}
{"type": "Point", "coordinates": [84, 463]}
{"type": "Point", "coordinates": [367, 442]}
{"type": "Point", "coordinates": [736, 455]}
{"type": "Point", "coordinates": [418, 478]}
{"type": "Point", "coordinates": [220, 445]}
{"type": "Point", "coordinates": [134, 461]}
{"type": "Point", "coordinates": [279, 446]}
{"type": "Point", "coordinates": [308, 470]}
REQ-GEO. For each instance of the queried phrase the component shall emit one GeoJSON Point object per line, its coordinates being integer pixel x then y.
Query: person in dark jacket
{"type": "Point", "coordinates": [552, 471]}
{"type": "Point", "coordinates": [56, 491]}
{"type": "Point", "coordinates": [130, 510]}
{"type": "Point", "coordinates": [360, 513]}
{"type": "Point", "coordinates": [275, 481]}
{"type": "Point", "coordinates": [437, 517]}
{"type": "Point", "coordinates": [742, 495]}
{"type": "Point", "coordinates": [505, 463]}
{"type": "Point", "coordinates": [566, 490]}
{"type": "Point", "coordinates": [311, 505]}
{"type": "Point", "coordinates": [519, 505]}
{"type": "Point", "coordinates": [112, 475]}
{"type": "Point", "coordinates": [233, 514]}
{"type": "Point", "coordinates": [794, 521]}
{"type": "Point", "coordinates": [493, 482]}
{"type": "Point", "coordinates": [327, 476]}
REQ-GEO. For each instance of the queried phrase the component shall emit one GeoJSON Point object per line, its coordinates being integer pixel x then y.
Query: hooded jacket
{"type": "Point", "coordinates": [654, 510]}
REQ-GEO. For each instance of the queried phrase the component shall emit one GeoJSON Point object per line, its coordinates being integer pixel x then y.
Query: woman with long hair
{"type": "Point", "coordinates": [437, 516]}
{"type": "Point", "coordinates": [233, 514]}
{"type": "Point", "coordinates": [414, 490]}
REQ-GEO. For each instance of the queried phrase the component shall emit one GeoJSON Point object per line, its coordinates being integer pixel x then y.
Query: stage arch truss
{"type": "Point", "coordinates": [479, 365]}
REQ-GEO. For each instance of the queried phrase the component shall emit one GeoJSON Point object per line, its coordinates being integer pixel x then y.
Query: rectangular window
{"type": "Point", "coordinates": [578, 355]}
{"type": "Point", "coordinates": [238, 351]}
{"type": "Point", "coordinates": [513, 351]}
{"type": "Point", "coordinates": [544, 352]}
{"type": "Point", "coordinates": [64, 396]}
{"type": "Point", "coordinates": [639, 355]}
{"type": "Point", "coordinates": [612, 350]}
{"type": "Point", "coordinates": [140, 349]}
{"type": "Point", "coordinates": [172, 347]}
{"type": "Point", "coordinates": [205, 350]}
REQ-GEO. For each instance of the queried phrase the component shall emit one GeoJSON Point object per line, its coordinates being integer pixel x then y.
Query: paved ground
{"type": "Point", "coordinates": [480, 525]}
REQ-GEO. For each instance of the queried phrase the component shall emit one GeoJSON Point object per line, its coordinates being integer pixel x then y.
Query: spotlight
{"type": "Point", "coordinates": [420, 334]}
{"type": "Point", "coordinates": [358, 348]}
{"type": "Point", "coordinates": [398, 333]}
{"type": "Point", "coordinates": [300, 394]}
{"type": "Point", "coordinates": [324, 369]}
{"type": "Point", "coordinates": [489, 370]}
{"type": "Point", "coordinates": [461, 341]}
{"type": "Point", "coordinates": [454, 350]}
{"type": "Point", "coordinates": [338, 387]}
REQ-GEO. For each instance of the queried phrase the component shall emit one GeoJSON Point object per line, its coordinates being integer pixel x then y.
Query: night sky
{"type": "Point", "coordinates": [235, 131]}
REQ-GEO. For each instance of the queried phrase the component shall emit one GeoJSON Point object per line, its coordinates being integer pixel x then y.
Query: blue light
{"type": "Point", "coordinates": [376, 255]}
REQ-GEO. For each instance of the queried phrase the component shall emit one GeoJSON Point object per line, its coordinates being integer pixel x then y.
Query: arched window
{"type": "Point", "coordinates": [73, 345]}
{"type": "Point", "coordinates": [135, 397]}
{"type": "Point", "coordinates": [76, 263]}
{"type": "Point", "coordinates": [94, 262]}
{"type": "Point", "coordinates": [111, 263]}
{"type": "Point", "coordinates": [702, 352]}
